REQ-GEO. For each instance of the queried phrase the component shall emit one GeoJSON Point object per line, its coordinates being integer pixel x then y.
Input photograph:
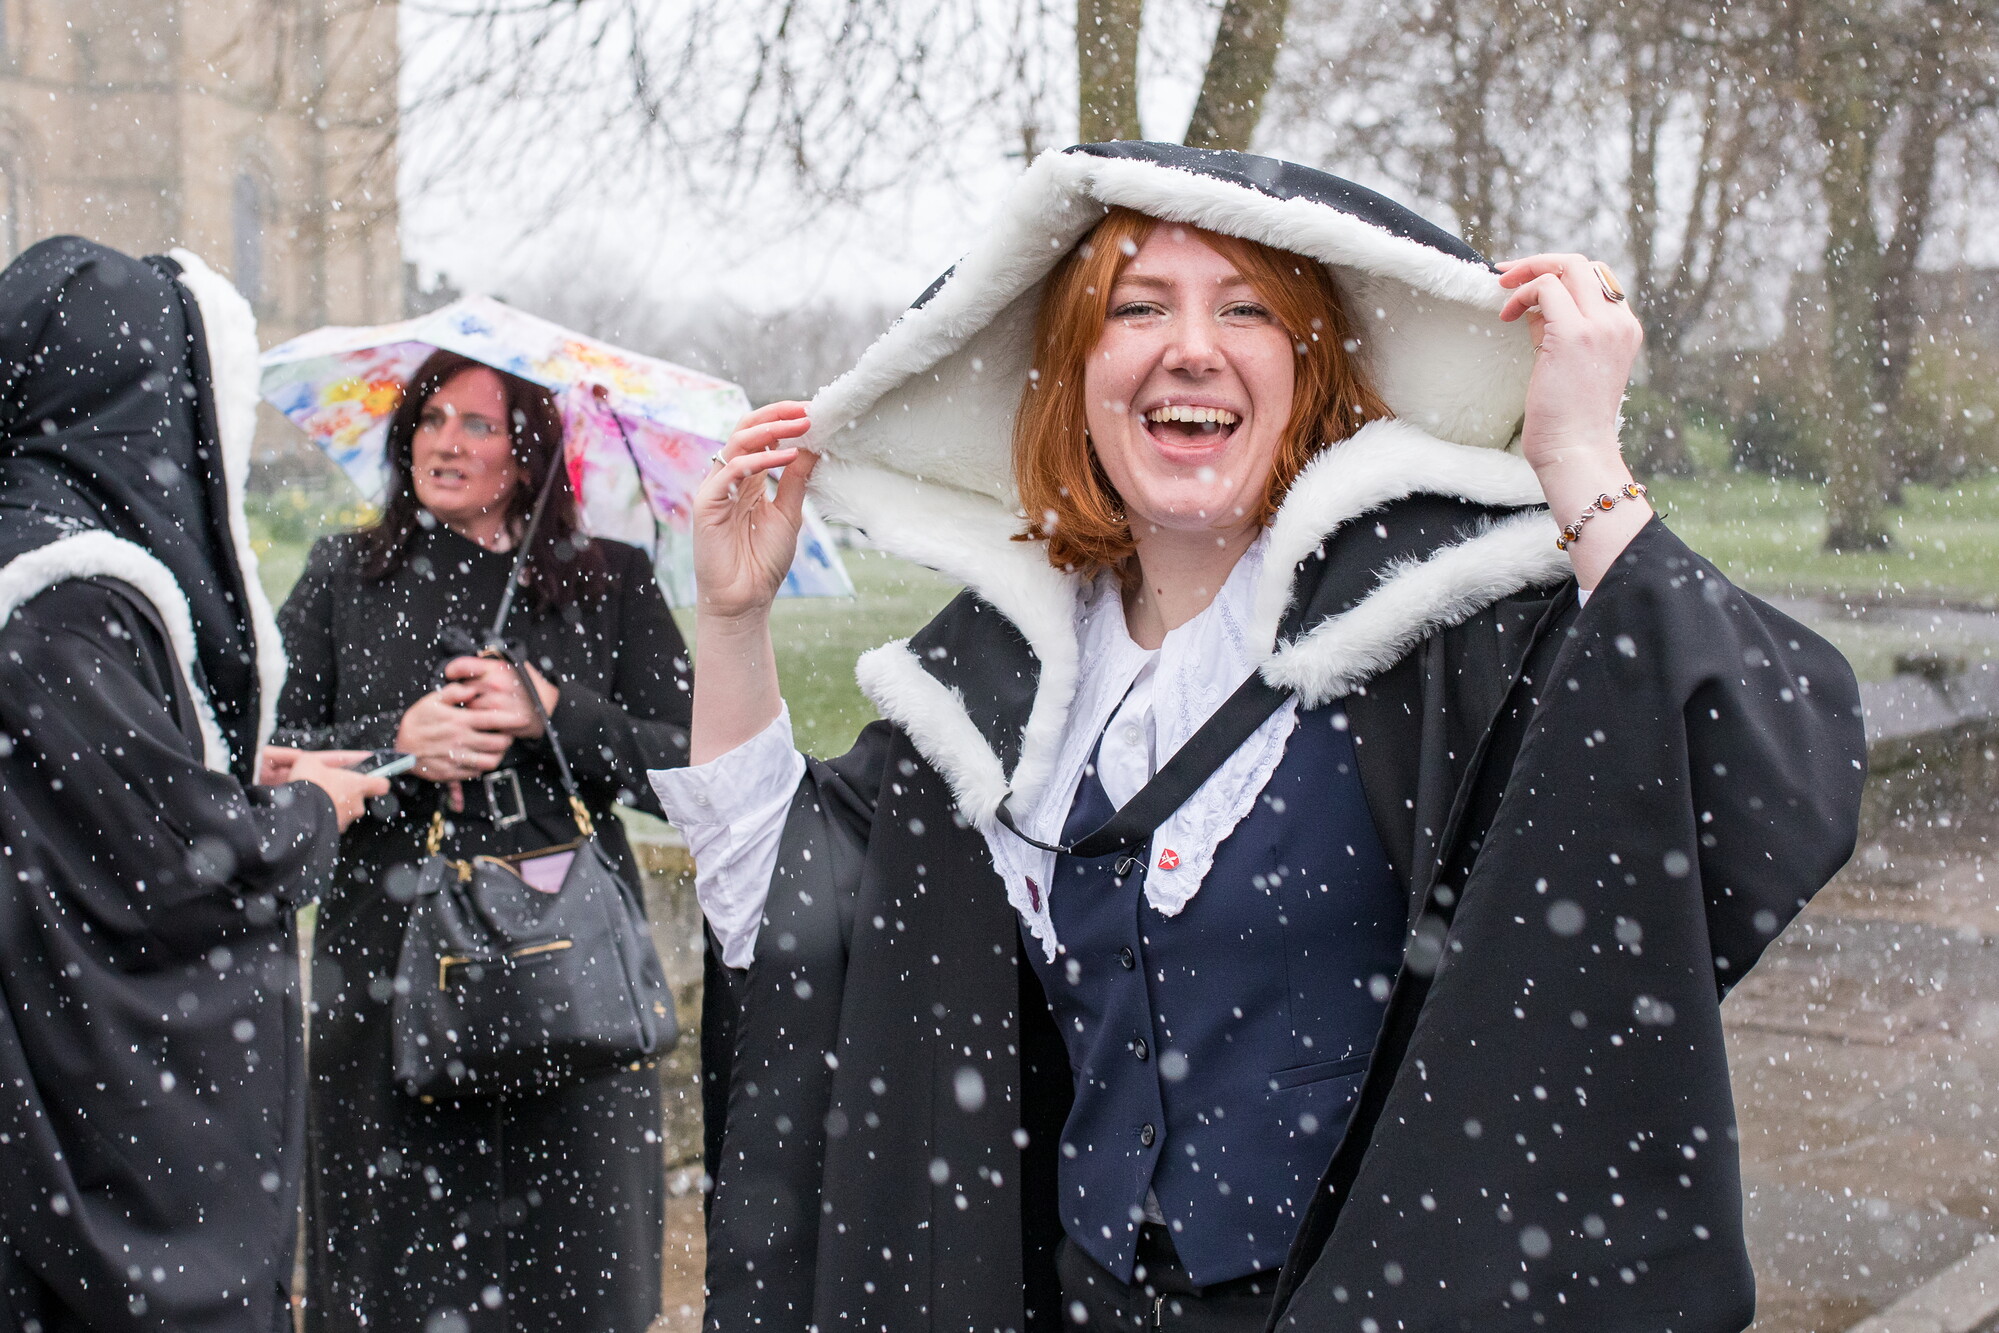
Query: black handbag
{"type": "Point", "coordinates": [526, 971]}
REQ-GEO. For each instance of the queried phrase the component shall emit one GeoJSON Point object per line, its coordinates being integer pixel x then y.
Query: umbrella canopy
{"type": "Point", "coordinates": [637, 430]}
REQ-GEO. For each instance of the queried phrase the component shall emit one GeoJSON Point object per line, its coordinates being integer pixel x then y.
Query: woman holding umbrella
{"type": "Point", "coordinates": [542, 1211]}
{"type": "Point", "coordinates": [1297, 879]}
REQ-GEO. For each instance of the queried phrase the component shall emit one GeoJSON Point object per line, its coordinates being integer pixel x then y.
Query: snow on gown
{"type": "Point", "coordinates": [150, 1065]}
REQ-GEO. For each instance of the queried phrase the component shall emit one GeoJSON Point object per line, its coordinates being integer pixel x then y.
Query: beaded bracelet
{"type": "Point", "coordinates": [1630, 490]}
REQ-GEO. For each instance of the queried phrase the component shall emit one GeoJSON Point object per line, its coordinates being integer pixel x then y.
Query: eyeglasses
{"type": "Point", "coordinates": [476, 426]}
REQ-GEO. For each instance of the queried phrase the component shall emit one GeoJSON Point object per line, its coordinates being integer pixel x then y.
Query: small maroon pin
{"type": "Point", "coordinates": [1034, 894]}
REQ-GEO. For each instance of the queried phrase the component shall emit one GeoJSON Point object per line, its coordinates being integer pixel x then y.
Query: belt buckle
{"type": "Point", "coordinates": [493, 783]}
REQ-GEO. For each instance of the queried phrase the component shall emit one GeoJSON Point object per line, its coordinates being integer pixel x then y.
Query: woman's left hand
{"type": "Point", "coordinates": [506, 705]}
{"type": "Point", "coordinates": [1585, 345]}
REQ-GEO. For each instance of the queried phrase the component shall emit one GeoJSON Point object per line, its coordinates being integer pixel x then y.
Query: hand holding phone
{"type": "Point", "coordinates": [333, 772]}
{"type": "Point", "coordinates": [385, 764]}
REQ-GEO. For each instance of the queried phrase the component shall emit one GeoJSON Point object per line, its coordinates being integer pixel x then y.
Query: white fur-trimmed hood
{"type": "Point", "coordinates": [231, 332]}
{"type": "Point", "coordinates": [934, 398]}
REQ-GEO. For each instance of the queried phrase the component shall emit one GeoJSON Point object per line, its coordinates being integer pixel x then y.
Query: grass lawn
{"type": "Point", "coordinates": [818, 638]}
{"type": "Point", "coordinates": [1766, 534]}
{"type": "Point", "coordinates": [1769, 534]}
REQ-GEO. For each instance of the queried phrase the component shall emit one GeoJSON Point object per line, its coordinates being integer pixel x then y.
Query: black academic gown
{"type": "Point", "coordinates": [1601, 815]}
{"type": "Point", "coordinates": [153, 1141]}
{"type": "Point", "coordinates": [150, 1068]}
{"type": "Point", "coordinates": [533, 1212]}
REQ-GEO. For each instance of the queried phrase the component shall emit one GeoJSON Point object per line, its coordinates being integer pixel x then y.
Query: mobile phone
{"type": "Point", "coordinates": [385, 764]}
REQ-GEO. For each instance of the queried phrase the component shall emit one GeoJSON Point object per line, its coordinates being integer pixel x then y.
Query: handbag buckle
{"type": "Point", "coordinates": [495, 782]}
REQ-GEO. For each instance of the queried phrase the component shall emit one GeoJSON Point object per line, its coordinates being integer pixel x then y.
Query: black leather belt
{"type": "Point", "coordinates": [504, 801]}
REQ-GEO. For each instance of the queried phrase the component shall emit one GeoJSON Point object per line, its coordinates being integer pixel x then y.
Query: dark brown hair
{"type": "Point", "coordinates": [563, 564]}
{"type": "Point", "coordinates": [1055, 469]}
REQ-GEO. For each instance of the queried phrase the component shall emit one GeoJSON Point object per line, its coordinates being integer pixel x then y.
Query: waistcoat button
{"type": "Point", "coordinates": [1129, 959]}
{"type": "Point", "coordinates": [1146, 1134]}
{"type": "Point", "coordinates": [1140, 1049]}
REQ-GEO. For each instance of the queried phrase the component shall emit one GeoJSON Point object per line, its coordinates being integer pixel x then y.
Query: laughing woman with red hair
{"type": "Point", "coordinates": [1296, 880]}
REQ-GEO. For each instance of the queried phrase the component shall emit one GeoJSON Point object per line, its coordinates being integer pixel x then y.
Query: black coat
{"type": "Point", "coordinates": [150, 1065]}
{"type": "Point", "coordinates": [525, 1213]}
{"type": "Point", "coordinates": [1602, 816]}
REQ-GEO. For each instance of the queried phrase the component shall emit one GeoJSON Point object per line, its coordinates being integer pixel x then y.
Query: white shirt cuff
{"type": "Point", "coordinates": [732, 811]}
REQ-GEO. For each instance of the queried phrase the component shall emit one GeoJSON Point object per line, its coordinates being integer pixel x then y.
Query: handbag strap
{"type": "Point", "coordinates": [578, 811]}
{"type": "Point", "coordinates": [496, 646]}
{"type": "Point", "coordinates": [1252, 704]}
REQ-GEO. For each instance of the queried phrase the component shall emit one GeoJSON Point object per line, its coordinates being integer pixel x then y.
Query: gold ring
{"type": "Point", "coordinates": [1613, 291]}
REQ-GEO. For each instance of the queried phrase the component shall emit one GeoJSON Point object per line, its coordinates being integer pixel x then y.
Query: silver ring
{"type": "Point", "coordinates": [717, 460]}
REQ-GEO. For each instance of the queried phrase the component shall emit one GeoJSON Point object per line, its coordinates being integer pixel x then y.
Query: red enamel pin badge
{"type": "Point", "coordinates": [1169, 859]}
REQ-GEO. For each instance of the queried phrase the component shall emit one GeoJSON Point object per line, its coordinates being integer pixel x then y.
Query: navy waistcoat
{"type": "Point", "coordinates": [1217, 1053]}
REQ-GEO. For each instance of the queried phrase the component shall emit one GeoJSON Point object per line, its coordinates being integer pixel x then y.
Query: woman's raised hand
{"type": "Point", "coordinates": [744, 537]}
{"type": "Point", "coordinates": [1585, 344]}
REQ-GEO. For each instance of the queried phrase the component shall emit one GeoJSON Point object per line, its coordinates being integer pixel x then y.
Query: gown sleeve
{"type": "Point", "coordinates": [732, 811]}
{"type": "Point", "coordinates": [612, 741]}
{"type": "Point", "coordinates": [1765, 715]}
{"type": "Point", "coordinates": [175, 854]}
{"type": "Point", "coordinates": [306, 708]}
{"type": "Point", "coordinates": [765, 1137]}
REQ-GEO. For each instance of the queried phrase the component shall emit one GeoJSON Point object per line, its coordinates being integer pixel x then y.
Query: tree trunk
{"type": "Point", "coordinates": [1239, 73]}
{"type": "Point", "coordinates": [1476, 165]}
{"type": "Point", "coordinates": [1849, 126]}
{"type": "Point", "coordinates": [1895, 312]}
{"type": "Point", "coordinates": [1107, 69]}
{"type": "Point", "coordinates": [1661, 426]}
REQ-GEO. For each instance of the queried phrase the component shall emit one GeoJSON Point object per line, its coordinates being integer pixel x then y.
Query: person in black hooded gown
{"type": "Point", "coordinates": [543, 1211]}
{"type": "Point", "coordinates": [1389, 998]}
{"type": "Point", "coordinates": [150, 1035]}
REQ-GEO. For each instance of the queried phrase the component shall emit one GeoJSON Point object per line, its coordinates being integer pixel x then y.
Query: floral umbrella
{"type": "Point", "coordinates": [638, 431]}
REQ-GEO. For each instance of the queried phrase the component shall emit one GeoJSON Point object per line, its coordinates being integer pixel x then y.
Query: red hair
{"type": "Point", "coordinates": [1069, 501]}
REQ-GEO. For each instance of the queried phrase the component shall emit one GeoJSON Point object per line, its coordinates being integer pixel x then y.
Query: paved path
{"type": "Point", "coordinates": [1865, 1050]}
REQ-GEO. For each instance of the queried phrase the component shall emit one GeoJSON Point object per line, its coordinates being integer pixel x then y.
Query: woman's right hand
{"type": "Point", "coordinates": [451, 741]}
{"type": "Point", "coordinates": [744, 537]}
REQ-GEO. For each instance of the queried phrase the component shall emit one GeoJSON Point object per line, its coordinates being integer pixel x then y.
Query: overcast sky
{"type": "Point", "coordinates": [492, 227]}
{"type": "Point", "coordinates": [516, 213]}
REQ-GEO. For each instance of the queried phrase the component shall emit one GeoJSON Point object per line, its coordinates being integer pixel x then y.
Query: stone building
{"type": "Point", "coordinates": [258, 133]}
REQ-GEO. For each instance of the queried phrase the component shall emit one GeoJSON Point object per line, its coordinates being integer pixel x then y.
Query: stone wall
{"type": "Point", "coordinates": [1932, 744]}
{"type": "Point", "coordinates": [258, 133]}
{"type": "Point", "coordinates": [668, 873]}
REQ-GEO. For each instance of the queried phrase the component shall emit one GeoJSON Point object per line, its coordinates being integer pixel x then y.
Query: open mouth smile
{"type": "Point", "coordinates": [1180, 425]}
